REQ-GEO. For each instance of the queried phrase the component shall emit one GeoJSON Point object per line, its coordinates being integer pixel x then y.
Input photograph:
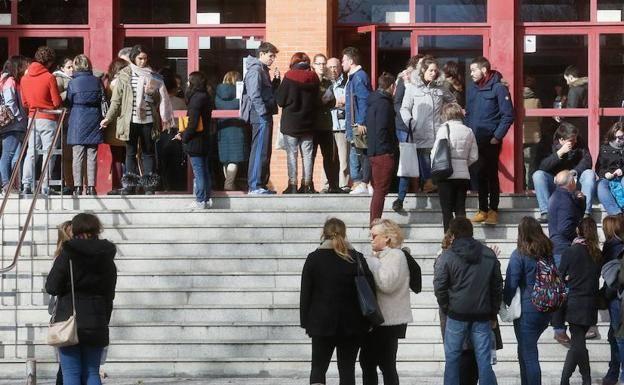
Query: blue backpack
{"type": "Point", "coordinates": [617, 190]}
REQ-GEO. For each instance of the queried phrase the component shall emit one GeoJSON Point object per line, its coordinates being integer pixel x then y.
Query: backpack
{"type": "Point", "coordinates": [415, 282]}
{"type": "Point", "coordinates": [549, 291]}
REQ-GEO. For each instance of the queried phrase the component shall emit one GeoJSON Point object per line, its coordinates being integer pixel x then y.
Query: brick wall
{"type": "Point", "coordinates": [293, 26]}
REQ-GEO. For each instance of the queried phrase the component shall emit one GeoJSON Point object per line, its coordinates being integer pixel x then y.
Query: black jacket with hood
{"type": "Point", "coordinates": [95, 278]}
{"type": "Point", "coordinates": [467, 281]}
{"type": "Point", "coordinates": [380, 124]}
{"type": "Point", "coordinates": [578, 159]}
{"type": "Point", "coordinates": [298, 95]}
{"type": "Point", "coordinates": [199, 107]}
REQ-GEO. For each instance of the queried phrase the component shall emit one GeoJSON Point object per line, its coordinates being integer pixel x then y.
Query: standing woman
{"type": "Point", "coordinates": [328, 308]}
{"type": "Point", "coordinates": [392, 278]}
{"type": "Point", "coordinates": [580, 267]}
{"type": "Point", "coordinates": [196, 140]}
{"type": "Point", "coordinates": [95, 278]}
{"type": "Point", "coordinates": [464, 152]}
{"type": "Point", "coordinates": [12, 134]}
{"type": "Point", "coordinates": [141, 105]}
{"type": "Point", "coordinates": [532, 246]}
{"type": "Point", "coordinates": [64, 74]}
{"type": "Point", "coordinates": [84, 98]}
{"type": "Point", "coordinates": [117, 147]}
{"type": "Point", "coordinates": [610, 167]}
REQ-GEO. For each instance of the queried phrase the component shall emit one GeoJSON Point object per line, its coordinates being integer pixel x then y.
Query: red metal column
{"type": "Point", "coordinates": [593, 97]}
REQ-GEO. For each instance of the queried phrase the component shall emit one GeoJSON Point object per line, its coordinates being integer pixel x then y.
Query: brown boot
{"type": "Point", "coordinates": [429, 187]}
{"type": "Point", "coordinates": [479, 217]}
{"type": "Point", "coordinates": [492, 218]}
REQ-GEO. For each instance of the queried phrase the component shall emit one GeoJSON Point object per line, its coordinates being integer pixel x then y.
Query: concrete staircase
{"type": "Point", "coordinates": [215, 293]}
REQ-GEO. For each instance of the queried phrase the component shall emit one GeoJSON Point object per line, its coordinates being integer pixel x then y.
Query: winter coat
{"type": "Point", "coordinates": [356, 92]}
{"type": "Point", "coordinates": [460, 95]}
{"type": "Point", "coordinates": [110, 131]}
{"type": "Point", "coordinates": [324, 120]}
{"type": "Point", "coordinates": [520, 274]}
{"type": "Point", "coordinates": [609, 160]}
{"type": "Point", "coordinates": [62, 81]}
{"type": "Point", "coordinates": [298, 95]}
{"type": "Point", "coordinates": [258, 98]}
{"type": "Point", "coordinates": [11, 95]}
{"type": "Point", "coordinates": [565, 211]}
{"type": "Point", "coordinates": [380, 124]}
{"type": "Point", "coordinates": [231, 137]}
{"type": "Point", "coordinates": [421, 109]}
{"type": "Point", "coordinates": [467, 281]}
{"type": "Point", "coordinates": [199, 107]}
{"type": "Point", "coordinates": [95, 277]}
{"type": "Point", "coordinates": [532, 124]}
{"type": "Point", "coordinates": [489, 111]}
{"type": "Point", "coordinates": [464, 149]}
{"type": "Point", "coordinates": [328, 300]}
{"type": "Point", "coordinates": [84, 98]}
{"type": "Point", "coordinates": [392, 279]}
{"type": "Point", "coordinates": [578, 159]}
{"type": "Point", "coordinates": [39, 90]}
{"type": "Point", "coordinates": [582, 276]}
{"type": "Point", "coordinates": [577, 93]}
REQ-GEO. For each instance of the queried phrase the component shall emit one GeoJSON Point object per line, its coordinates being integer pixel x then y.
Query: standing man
{"type": "Point", "coordinates": [258, 106]}
{"type": "Point", "coordinates": [578, 88]}
{"type": "Point", "coordinates": [356, 96]}
{"type": "Point", "coordinates": [489, 113]}
{"type": "Point", "coordinates": [339, 81]}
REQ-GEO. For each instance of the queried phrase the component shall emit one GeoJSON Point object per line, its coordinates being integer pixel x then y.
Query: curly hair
{"type": "Point", "coordinates": [45, 55]}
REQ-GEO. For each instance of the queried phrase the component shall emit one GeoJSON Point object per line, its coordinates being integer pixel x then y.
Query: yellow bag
{"type": "Point", "coordinates": [183, 122]}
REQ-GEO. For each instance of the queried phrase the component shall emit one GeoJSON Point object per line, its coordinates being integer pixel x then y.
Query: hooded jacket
{"type": "Point", "coordinates": [298, 95]}
{"type": "Point", "coordinates": [380, 124]}
{"type": "Point", "coordinates": [39, 90]}
{"type": "Point", "coordinates": [489, 111]}
{"type": "Point", "coordinates": [582, 277]}
{"type": "Point", "coordinates": [578, 159]}
{"type": "Point", "coordinates": [95, 278]}
{"type": "Point", "coordinates": [258, 98]}
{"type": "Point", "coordinates": [225, 98]}
{"type": "Point", "coordinates": [421, 109]}
{"type": "Point", "coordinates": [84, 98]}
{"type": "Point", "coordinates": [609, 160]}
{"type": "Point", "coordinates": [467, 281]}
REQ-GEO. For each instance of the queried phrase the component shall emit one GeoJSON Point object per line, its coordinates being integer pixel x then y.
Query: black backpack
{"type": "Point", "coordinates": [414, 271]}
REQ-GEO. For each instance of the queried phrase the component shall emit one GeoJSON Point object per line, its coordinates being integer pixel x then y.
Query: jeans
{"type": "Point", "coordinates": [260, 156]}
{"type": "Point", "coordinates": [545, 186]}
{"type": "Point", "coordinates": [293, 144]}
{"type": "Point", "coordinates": [528, 329]}
{"type": "Point", "coordinates": [606, 198]}
{"type": "Point", "coordinates": [480, 333]}
{"type": "Point", "coordinates": [81, 365]}
{"type": "Point", "coordinates": [201, 172]}
{"type": "Point", "coordinates": [487, 176]}
{"type": "Point", "coordinates": [11, 147]}
{"type": "Point", "coordinates": [452, 199]}
{"type": "Point", "coordinates": [616, 344]}
{"type": "Point", "coordinates": [140, 134]}
{"type": "Point", "coordinates": [322, 350]}
{"type": "Point", "coordinates": [40, 139]}
{"type": "Point", "coordinates": [382, 167]}
{"type": "Point", "coordinates": [424, 163]}
{"type": "Point", "coordinates": [359, 167]}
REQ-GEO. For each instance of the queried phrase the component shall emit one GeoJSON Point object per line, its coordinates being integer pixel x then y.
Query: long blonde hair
{"type": "Point", "coordinates": [336, 231]}
{"type": "Point", "coordinates": [231, 77]}
{"type": "Point", "coordinates": [64, 234]}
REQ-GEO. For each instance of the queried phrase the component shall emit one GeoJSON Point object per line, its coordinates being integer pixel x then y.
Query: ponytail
{"type": "Point", "coordinates": [335, 230]}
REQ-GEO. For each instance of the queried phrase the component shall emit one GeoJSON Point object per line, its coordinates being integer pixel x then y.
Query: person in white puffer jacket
{"type": "Point", "coordinates": [392, 277]}
{"type": "Point", "coordinates": [464, 152]}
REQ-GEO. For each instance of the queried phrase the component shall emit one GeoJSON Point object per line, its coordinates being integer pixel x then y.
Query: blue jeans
{"type": "Point", "coordinates": [359, 167]}
{"type": "Point", "coordinates": [260, 156]}
{"type": "Point", "coordinates": [424, 169]}
{"type": "Point", "coordinates": [11, 146]}
{"type": "Point", "coordinates": [201, 172]}
{"type": "Point", "coordinates": [528, 328]}
{"type": "Point", "coordinates": [616, 344]}
{"type": "Point", "coordinates": [81, 365]}
{"type": "Point", "coordinates": [481, 336]}
{"type": "Point", "coordinates": [545, 186]}
{"type": "Point", "coordinates": [606, 198]}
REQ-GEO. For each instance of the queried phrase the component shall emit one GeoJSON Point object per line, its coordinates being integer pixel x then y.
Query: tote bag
{"type": "Point", "coordinates": [408, 159]}
{"type": "Point", "coordinates": [64, 333]}
{"type": "Point", "coordinates": [441, 166]}
{"type": "Point", "coordinates": [366, 297]}
{"type": "Point", "coordinates": [514, 310]}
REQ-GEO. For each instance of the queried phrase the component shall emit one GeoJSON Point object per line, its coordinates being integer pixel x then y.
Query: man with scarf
{"type": "Point", "coordinates": [489, 113]}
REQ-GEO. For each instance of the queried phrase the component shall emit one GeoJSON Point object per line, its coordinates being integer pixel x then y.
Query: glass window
{"type": "Point", "coordinates": [165, 52]}
{"type": "Point", "coordinates": [63, 46]}
{"type": "Point", "coordinates": [610, 10]}
{"type": "Point", "coordinates": [4, 49]}
{"type": "Point", "coordinates": [361, 41]}
{"type": "Point", "coordinates": [54, 12]}
{"type": "Point", "coordinates": [220, 55]}
{"type": "Point", "coordinates": [5, 13]}
{"type": "Point", "coordinates": [231, 11]}
{"type": "Point", "coordinates": [155, 11]}
{"type": "Point", "coordinates": [393, 51]}
{"type": "Point", "coordinates": [373, 11]}
{"type": "Point", "coordinates": [612, 70]}
{"type": "Point", "coordinates": [451, 11]}
{"type": "Point", "coordinates": [554, 10]}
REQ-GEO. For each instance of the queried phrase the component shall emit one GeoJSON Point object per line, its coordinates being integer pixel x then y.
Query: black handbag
{"type": "Point", "coordinates": [366, 297]}
{"type": "Point", "coordinates": [441, 166]}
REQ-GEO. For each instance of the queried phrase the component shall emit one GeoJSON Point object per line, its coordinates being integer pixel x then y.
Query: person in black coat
{"type": "Point", "coordinates": [329, 309]}
{"type": "Point", "coordinates": [610, 167]}
{"type": "Point", "coordinates": [580, 268]}
{"type": "Point", "coordinates": [95, 278]}
{"type": "Point", "coordinates": [382, 141]}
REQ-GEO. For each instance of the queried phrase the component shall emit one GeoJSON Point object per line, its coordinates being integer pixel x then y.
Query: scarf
{"type": "Point", "coordinates": [148, 83]}
{"type": "Point", "coordinates": [485, 79]}
{"type": "Point", "coordinates": [617, 145]}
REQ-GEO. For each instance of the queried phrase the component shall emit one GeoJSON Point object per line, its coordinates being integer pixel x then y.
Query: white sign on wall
{"type": "Point", "coordinates": [530, 44]}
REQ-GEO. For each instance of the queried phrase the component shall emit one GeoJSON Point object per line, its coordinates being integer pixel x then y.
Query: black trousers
{"type": "Point", "coordinates": [322, 350]}
{"type": "Point", "coordinates": [380, 349]}
{"type": "Point", "coordinates": [331, 164]}
{"type": "Point", "coordinates": [489, 187]}
{"type": "Point", "coordinates": [452, 194]}
{"type": "Point", "coordinates": [577, 355]}
{"type": "Point", "coordinates": [140, 134]}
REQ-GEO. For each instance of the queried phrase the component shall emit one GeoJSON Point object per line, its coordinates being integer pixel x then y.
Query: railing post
{"type": "Point", "coordinates": [31, 372]}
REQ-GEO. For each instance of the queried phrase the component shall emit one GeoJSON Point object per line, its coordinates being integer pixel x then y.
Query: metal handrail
{"type": "Point", "coordinates": [44, 169]}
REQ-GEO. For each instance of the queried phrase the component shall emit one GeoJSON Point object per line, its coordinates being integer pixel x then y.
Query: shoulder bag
{"type": "Point", "coordinates": [441, 166]}
{"type": "Point", "coordinates": [366, 297]}
{"type": "Point", "coordinates": [64, 333]}
{"type": "Point", "coordinates": [408, 158]}
{"type": "Point", "coordinates": [6, 115]}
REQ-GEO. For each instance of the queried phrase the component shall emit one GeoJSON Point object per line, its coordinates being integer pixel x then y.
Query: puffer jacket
{"type": "Point", "coordinates": [422, 108]}
{"type": "Point", "coordinates": [464, 149]}
{"type": "Point", "coordinates": [84, 98]}
{"type": "Point", "coordinates": [467, 281]}
{"type": "Point", "coordinates": [609, 160]}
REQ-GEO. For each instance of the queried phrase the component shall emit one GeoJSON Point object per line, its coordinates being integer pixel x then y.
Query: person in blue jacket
{"type": "Point", "coordinates": [84, 98]}
{"type": "Point", "coordinates": [490, 113]}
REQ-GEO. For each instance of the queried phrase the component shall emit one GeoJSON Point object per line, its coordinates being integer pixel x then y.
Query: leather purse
{"type": "Point", "coordinates": [441, 166]}
{"type": "Point", "coordinates": [64, 333]}
{"type": "Point", "coordinates": [183, 122]}
{"type": "Point", "coordinates": [366, 297]}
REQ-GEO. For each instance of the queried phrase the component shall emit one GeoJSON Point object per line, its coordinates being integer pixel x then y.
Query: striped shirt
{"type": "Point", "coordinates": [134, 81]}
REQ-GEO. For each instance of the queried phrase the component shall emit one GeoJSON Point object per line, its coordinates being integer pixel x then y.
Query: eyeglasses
{"type": "Point", "coordinates": [619, 137]}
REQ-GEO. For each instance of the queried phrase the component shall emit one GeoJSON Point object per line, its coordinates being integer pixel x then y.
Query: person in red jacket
{"type": "Point", "coordinates": [39, 90]}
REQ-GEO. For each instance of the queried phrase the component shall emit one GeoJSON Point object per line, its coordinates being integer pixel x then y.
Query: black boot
{"type": "Point", "coordinates": [150, 183]}
{"type": "Point", "coordinates": [308, 188]}
{"type": "Point", "coordinates": [291, 189]}
{"type": "Point", "coordinates": [77, 191]}
{"type": "Point", "coordinates": [91, 190]}
{"type": "Point", "coordinates": [129, 184]}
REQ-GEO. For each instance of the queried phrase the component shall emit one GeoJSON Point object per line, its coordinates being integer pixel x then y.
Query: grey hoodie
{"type": "Point", "coordinates": [258, 92]}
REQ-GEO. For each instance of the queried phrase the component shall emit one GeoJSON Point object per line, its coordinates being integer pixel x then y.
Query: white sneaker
{"type": "Point", "coordinates": [208, 204]}
{"type": "Point", "coordinates": [370, 189]}
{"type": "Point", "coordinates": [360, 189]}
{"type": "Point", "coordinates": [196, 205]}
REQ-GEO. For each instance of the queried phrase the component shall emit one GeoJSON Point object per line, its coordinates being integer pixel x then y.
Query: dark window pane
{"type": "Point", "coordinates": [63, 46]}
{"type": "Point", "coordinates": [610, 10]}
{"type": "Point", "coordinates": [611, 70]}
{"type": "Point", "coordinates": [220, 55]}
{"type": "Point", "coordinates": [554, 10]}
{"type": "Point", "coordinates": [4, 49]}
{"type": "Point", "coordinates": [5, 12]}
{"type": "Point", "coordinates": [373, 11]}
{"type": "Point", "coordinates": [393, 51]}
{"type": "Point", "coordinates": [231, 11]}
{"type": "Point", "coordinates": [451, 11]}
{"type": "Point", "coordinates": [54, 12]}
{"type": "Point", "coordinates": [361, 41]}
{"type": "Point", "coordinates": [170, 52]}
{"type": "Point", "coordinates": [155, 11]}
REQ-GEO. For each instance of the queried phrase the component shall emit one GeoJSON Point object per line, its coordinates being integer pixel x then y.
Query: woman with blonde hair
{"type": "Point", "coordinates": [329, 308]}
{"type": "Point", "coordinates": [392, 278]}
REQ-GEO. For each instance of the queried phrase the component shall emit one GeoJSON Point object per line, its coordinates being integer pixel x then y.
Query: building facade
{"type": "Point", "coordinates": [530, 42]}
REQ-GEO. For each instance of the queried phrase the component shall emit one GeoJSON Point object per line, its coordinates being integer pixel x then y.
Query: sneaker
{"type": "Point", "coordinates": [196, 205]}
{"type": "Point", "coordinates": [492, 218]}
{"type": "Point", "coordinates": [370, 189]}
{"type": "Point", "coordinates": [543, 218]}
{"type": "Point", "coordinates": [346, 189]}
{"type": "Point", "coordinates": [397, 205]}
{"type": "Point", "coordinates": [562, 338]}
{"type": "Point", "coordinates": [479, 217]}
{"type": "Point", "coordinates": [261, 191]}
{"type": "Point", "coordinates": [359, 189]}
{"type": "Point", "coordinates": [208, 204]}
